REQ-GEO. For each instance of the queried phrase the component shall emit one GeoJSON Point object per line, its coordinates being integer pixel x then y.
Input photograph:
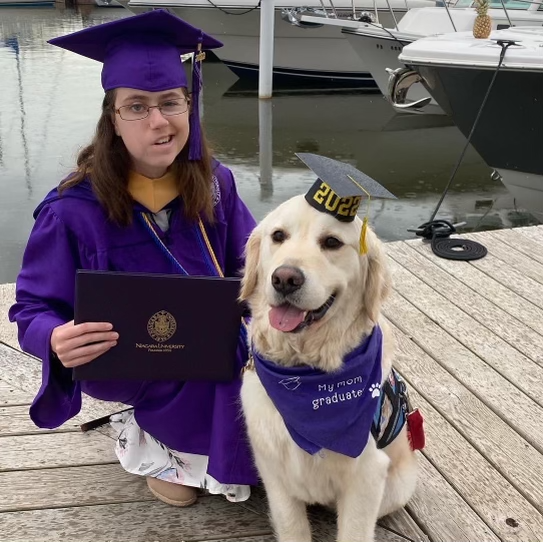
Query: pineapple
{"type": "Point", "coordinates": [483, 23]}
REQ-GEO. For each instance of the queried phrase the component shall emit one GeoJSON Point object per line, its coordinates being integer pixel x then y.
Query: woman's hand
{"type": "Point", "coordinates": [78, 344]}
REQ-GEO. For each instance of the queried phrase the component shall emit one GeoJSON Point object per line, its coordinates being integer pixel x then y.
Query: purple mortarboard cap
{"type": "Point", "coordinates": [143, 52]}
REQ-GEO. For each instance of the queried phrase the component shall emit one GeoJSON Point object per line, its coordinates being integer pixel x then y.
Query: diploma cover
{"type": "Point", "coordinates": [171, 327]}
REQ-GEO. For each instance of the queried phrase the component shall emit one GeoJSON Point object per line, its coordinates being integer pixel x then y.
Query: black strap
{"type": "Point", "coordinates": [99, 422]}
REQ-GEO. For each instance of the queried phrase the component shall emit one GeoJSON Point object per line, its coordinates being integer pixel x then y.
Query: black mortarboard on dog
{"type": "Point", "coordinates": [340, 189]}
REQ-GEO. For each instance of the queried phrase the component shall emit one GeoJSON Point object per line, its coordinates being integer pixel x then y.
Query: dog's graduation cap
{"type": "Point", "coordinates": [143, 52]}
{"type": "Point", "coordinates": [340, 189]}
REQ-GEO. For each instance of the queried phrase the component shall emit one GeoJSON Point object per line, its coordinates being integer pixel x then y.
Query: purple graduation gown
{"type": "Point", "coordinates": [71, 232]}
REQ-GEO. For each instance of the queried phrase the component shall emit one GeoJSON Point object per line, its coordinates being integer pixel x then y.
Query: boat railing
{"type": "Point", "coordinates": [439, 3]}
{"type": "Point", "coordinates": [327, 10]}
{"type": "Point", "coordinates": [533, 5]}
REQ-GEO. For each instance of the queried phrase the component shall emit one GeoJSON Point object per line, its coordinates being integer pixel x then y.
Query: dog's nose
{"type": "Point", "coordinates": [287, 279]}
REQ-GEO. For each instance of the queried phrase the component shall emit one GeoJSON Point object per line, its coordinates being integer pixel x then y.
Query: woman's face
{"type": "Point", "coordinates": [154, 141]}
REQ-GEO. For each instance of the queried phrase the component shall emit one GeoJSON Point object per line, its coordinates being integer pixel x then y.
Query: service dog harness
{"type": "Point", "coordinates": [393, 412]}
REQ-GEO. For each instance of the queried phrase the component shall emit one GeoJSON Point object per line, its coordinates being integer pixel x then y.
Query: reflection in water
{"type": "Point", "coordinates": [412, 155]}
{"type": "Point", "coordinates": [265, 146]}
{"type": "Point", "coordinates": [1, 146]}
{"type": "Point", "coordinates": [13, 44]}
{"type": "Point", "coordinates": [51, 102]}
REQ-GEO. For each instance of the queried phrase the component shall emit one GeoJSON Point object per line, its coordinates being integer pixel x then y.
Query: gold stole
{"type": "Point", "coordinates": [154, 194]}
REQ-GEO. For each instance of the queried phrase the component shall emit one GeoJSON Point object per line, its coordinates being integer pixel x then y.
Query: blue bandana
{"type": "Point", "coordinates": [333, 411]}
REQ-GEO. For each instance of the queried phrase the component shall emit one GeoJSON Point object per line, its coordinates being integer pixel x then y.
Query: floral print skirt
{"type": "Point", "coordinates": [140, 453]}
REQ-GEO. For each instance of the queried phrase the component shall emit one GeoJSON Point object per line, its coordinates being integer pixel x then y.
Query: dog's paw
{"type": "Point", "coordinates": [375, 390]}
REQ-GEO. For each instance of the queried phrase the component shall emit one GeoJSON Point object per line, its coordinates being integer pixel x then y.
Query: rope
{"type": "Point", "coordinates": [233, 12]}
{"type": "Point", "coordinates": [438, 231]}
{"type": "Point", "coordinates": [458, 249]}
{"type": "Point", "coordinates": [504, 44]}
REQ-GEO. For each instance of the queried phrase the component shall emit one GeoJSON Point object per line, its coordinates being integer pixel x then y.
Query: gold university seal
{"type": "Point", "coordinates": [161, 326]}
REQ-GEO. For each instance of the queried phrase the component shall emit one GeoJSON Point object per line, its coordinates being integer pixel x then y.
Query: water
{"type": "Point", "coordinates": [50, 102]}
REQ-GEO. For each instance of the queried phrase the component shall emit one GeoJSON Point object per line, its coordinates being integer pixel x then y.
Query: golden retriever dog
{"type": "Point", "coordinates": [314, 298]}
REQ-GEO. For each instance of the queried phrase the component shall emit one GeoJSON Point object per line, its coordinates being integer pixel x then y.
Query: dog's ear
{"type": "Point", "coordinates": [250, 273]}
{"type": "Point", "coordinates": [378, 281]}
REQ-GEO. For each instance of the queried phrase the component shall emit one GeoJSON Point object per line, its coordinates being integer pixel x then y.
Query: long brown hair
{"type": "Point", "coordinates": [106, 163]}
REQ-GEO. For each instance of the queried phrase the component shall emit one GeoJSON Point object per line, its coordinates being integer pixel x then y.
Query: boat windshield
{"type": "Point", "coordinates": [496, 4]}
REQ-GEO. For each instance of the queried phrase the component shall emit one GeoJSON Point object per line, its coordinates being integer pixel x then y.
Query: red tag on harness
{"type": "Point", "coordinates": [415, 426]}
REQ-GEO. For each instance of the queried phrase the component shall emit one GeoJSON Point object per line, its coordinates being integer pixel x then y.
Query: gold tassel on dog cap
{"type": "Point", "coordinates": [339, 190]}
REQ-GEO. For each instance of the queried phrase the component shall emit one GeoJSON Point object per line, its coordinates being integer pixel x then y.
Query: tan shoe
{"type": "Point", "coordinates": [171, 493]}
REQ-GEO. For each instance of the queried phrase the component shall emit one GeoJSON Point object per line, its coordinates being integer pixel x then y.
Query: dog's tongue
{"type": "Point", "coordinates": [286, 317]}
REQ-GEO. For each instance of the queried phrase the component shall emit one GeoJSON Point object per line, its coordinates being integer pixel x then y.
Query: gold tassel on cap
{"type": "Point", "coordinates": [363, 249]}
{"type": "Point", "coordinates": [363, 245]}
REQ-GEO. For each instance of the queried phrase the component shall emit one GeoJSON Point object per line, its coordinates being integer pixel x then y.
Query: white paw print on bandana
{"type": "Point", "coordinates": [291, 383]}
{"type": "Point", "coordinates": [375, 390]}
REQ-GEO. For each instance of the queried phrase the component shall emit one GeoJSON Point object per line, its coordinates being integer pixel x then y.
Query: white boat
{"type": "Point", "coordinates": [317, 53]}
{"type": "Point", "coordinates": [378, 47]}
{"type": "Point", "coordinates": [458, 69]}
{"type": "Point", "coordinates": [26, 3]}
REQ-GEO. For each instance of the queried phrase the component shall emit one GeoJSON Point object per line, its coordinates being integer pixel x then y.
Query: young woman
{"type": "Point", "coordinates": [146, 182]}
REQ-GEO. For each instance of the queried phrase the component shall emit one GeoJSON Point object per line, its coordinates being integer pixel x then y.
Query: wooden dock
{"type": "Point", "coordinates": [470, 345]}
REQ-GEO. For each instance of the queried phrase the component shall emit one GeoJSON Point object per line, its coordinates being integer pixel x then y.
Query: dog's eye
{"type": "Point", "coordinates": [279, 236]}
{"type": "Point", "coordinates": [331, 243]}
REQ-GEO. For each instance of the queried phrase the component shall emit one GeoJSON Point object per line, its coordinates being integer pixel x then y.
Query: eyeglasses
{"type": "Point", "coordinates": [139, 111]}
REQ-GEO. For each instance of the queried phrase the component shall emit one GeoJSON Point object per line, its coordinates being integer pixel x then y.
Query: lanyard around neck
{"type": "Point", "coordinates": [210, 254]}
{"type": "Point", "coordinates": [205, 244]}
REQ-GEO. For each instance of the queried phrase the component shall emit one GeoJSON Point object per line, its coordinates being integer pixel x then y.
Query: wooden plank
{"type": "Point", "coordinates": [15, 420]}
{"type": "Point", "coordinates": [402, 522]}
{"type": "Point", "coordinates": [491, 289]}
{"type": "Point", "coordinates": [20, 370]}
{"type": "Point", "coordinates": [487, 313]}
{"type": "Point", "coordinates": [210, 518]}
{"type": "Point", "coordinates": [264, 538]}
{"type": "Point", "coordinates": [103, 484]}
{"type": "Point", "coordinates": [8, 330]}
{"type": "Point", "coordinates": [70, 486]}
{"type": "Point", "coordinates": [529, 246]}
{"type": "Point", "coordinates": [11, 395]}
{"type": "Point", "coordinates": [513, 279]}
{"type": "Point", "coordinates": [480, 372]}
{"type": "Point", "coordinates": [442, 512]}
{"type": "Point", "coordinates": [509, 255]}
{"type": "Point", "coordinates": [535, 233]}
{"type": "Point", "coordinates": [55, 450]}
{"type": "Point", "coordinates": [24, 372]}
{"type": "Point", "coordinates": [389, 537]}
{"type": "Point", "coordinates": [518, 461]}
{"type": "Point", "coordinates": [490, 495]}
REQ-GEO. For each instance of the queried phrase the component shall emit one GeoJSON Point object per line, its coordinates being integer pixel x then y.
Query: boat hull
{"type": "Point", "coordinates": [509, 131]}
